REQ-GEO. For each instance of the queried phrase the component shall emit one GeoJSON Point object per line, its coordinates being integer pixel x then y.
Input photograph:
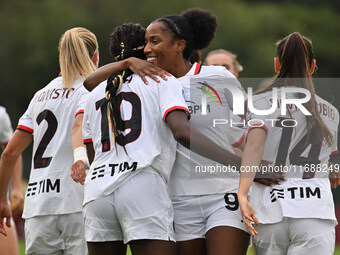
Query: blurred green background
{"type": "Point", "coordinates": [30, 32]}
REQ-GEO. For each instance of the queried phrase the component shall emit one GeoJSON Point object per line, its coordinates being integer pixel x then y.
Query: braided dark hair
{"type": "Point", "coordinates": [127, 40]}
{"type": "Point", "coordinates": [196, 26]}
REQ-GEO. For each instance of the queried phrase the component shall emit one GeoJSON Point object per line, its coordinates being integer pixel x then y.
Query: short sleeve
{"type": "Point", "coordinates": [171, 97]}
{"type": "Point", "coordinates": [335, 145]}
{"type": "Point", "coordinates": [26, 121]}
{"type": "Point", "coordinates": [236, 134]}
{"type": "Point", "coordinates": [83, 96]}
{"type": "Point", "coordinates": [86, 130]}
{"type": "Point", "coordinates": [335, 135]}
{"type": "Point", "coordinates": [6, 130]}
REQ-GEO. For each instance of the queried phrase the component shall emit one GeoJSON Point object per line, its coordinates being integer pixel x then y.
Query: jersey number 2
{"type": "Point", "coordinates": [38, 160]}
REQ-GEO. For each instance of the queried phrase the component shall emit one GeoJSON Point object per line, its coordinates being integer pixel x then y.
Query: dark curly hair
{"type": "Point", "coordinates": [196, 26]}
{"type": "Point", "coordinates": [127, 40]}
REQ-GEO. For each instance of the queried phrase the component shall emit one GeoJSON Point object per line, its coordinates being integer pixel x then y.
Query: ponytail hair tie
{"type": "Point", "coordinates": [138, 48]}
{"type": "Point", "coordinates": [121, 55]}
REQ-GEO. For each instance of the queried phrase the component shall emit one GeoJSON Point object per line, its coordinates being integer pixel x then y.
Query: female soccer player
{"type": "Point", "coordinates": [170, 42]}
{"type": "Point", "coordinates": [297, 216]}
{"type": "Point", "coordinates": [130, 181]}
{"type": "Point", "coordinates": [206, 208]}
{"type": "Point", "coordinates": [53, 203]}
{"type": "Point", "coordinates": [9, 244]}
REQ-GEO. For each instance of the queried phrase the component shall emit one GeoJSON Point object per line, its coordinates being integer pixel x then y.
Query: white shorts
{"type": "Point", "coordinates": [196, 215]}
{"type": "Point", "coordinates": [296, 236]}
{"type": "Point", "coordinates": [139, 209]}
{"type": "Point", "coordinates": [55, 234]}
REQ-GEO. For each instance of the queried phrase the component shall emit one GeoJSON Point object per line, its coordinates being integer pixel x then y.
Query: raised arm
{"type": "Point", "coordinates": [103, 73]}
{"type": "Point", "coordinates": [136, 65]}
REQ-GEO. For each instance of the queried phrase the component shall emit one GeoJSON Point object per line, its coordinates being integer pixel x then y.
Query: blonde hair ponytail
{"type": "Point", "coordinates": [77, 46]}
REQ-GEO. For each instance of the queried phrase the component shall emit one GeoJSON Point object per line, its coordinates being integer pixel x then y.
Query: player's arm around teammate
{"type": "Point", "coordinates": [136, 65]}
{"type": "Point", "coordinates": [171, 40]}
{"type": "Point", "coordinates": [169, 45]}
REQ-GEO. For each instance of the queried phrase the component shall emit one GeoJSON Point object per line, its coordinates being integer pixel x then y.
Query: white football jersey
{"type": "Point", "coordinates": [148, 140]}
{"type": "Point", "coordinates": [49, 118]}
{"type": "Point", "coordinates": [306, 193]}
{"type": "Point", "coordinates": [6, 130]}
{"type": "Point", "coordinates": [192, 173]}
{"type": "Point", "coordinates": [237, 130]}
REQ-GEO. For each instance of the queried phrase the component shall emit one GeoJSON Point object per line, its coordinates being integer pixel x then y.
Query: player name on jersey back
{"type": "Point", "coordinates": [54, 93]}
{"type": "Point", "coordinates": [49, 118]}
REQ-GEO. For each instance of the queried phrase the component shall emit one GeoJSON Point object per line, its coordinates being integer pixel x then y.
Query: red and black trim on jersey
{"type": "Point", "coordinates": [240, 140]}
{"type": "Point", "coordinates": [78, 112]}
{"type": "Point", "coordinates": [24, 128]}
{"type": "Point", "coordinates": [176, 108]}
{"type": "Point", "coordinates": [4, 144]}
{"type": "Point", "coordinates": [197, 68]}
{"type": "Point", "coordinates": [258, 126]}
{"type": "Point", "coordinates": [334, 153]}
{"type": "Point", "coordinates": [87, 141]}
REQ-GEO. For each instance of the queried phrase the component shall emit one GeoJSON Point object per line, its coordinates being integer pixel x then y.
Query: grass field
{"type": "Point", "coordinates": [22, 250]}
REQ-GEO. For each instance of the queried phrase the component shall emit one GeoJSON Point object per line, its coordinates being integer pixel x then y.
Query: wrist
{"type": "Point", "coordinates": [4, 198]}
{"type": "Point", "coordinates": [80, 153]}
{"type": "Point", "coordinates": [127, 63]}
{"type": "Point", "coordinates": [241, 195]}
{"type": "Point", "coordinates": [16, 187]}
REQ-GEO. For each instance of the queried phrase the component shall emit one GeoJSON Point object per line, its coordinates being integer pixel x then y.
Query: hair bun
{"type": "Point", "coordinates": [203, 24]}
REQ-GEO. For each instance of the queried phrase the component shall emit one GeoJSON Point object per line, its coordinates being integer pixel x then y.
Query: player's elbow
{"type": "Point", "coordinates": [178, 123]}
{"type": "Point", "coordinates": [76, 127]}
{"type": "Point", "coordinates": [89, 83]}
{"type": "Point", "coordinates": [255, 147]}
{"type": "Point", "coordinates": [181, 134]}
{"type": "Point", "coordinates": [10, 154]}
